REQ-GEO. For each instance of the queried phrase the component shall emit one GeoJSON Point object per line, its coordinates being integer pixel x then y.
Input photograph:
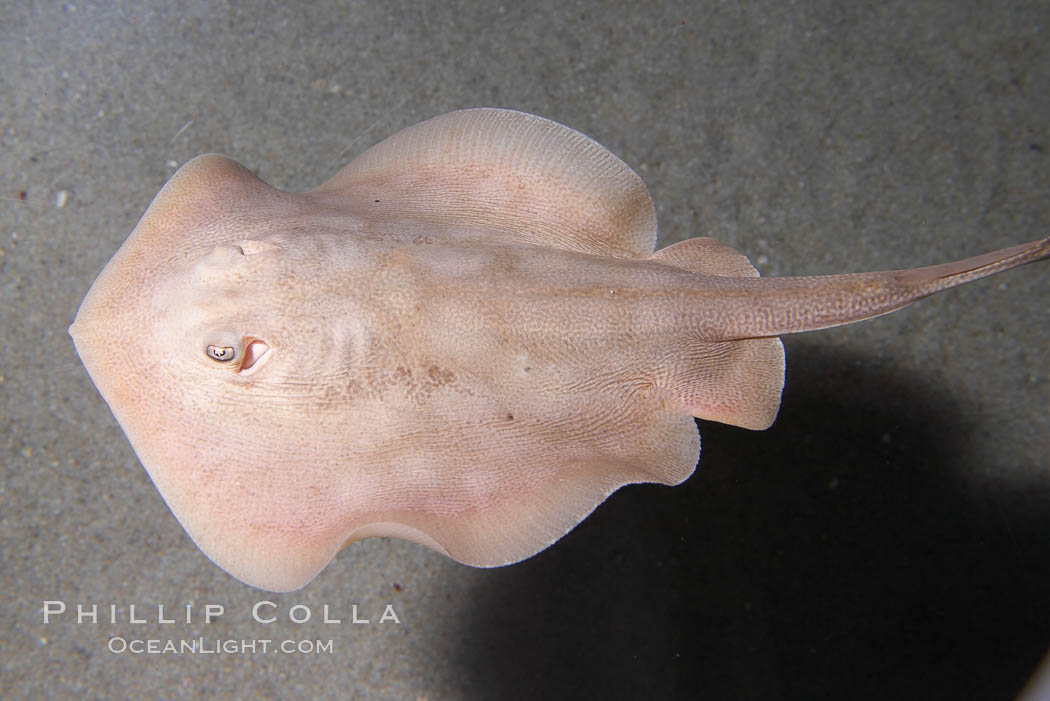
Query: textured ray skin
{"type": "Point", "coordinates": [464, 339]}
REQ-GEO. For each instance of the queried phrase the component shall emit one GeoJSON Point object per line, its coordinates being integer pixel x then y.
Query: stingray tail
{"type": "Point", "coordinates": [730, 368]}
{"type": "Point", "coordinates": [761, 307]}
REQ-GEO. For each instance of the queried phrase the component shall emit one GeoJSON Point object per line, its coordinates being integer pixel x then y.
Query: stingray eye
{"type": "Point", "coordinates": [223, 354]}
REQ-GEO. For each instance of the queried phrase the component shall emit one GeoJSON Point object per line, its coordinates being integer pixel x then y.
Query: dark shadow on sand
{"type": "Point", "coordinates": [837, 555]}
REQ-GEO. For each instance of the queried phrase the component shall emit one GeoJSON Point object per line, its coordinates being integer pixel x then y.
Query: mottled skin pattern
{"type": "Point", "coordinates": [463, 339]}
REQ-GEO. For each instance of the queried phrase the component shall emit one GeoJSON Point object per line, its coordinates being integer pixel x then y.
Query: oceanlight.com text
{"type": "Point", "coordinates": [213, 646]}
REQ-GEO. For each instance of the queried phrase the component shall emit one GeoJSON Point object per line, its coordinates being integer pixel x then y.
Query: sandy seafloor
{"type": "Point", "coordinates": [888, 538]}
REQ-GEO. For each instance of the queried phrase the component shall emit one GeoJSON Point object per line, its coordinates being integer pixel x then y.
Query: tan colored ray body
{"type": "Point", "coordinates": [464, 339]}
